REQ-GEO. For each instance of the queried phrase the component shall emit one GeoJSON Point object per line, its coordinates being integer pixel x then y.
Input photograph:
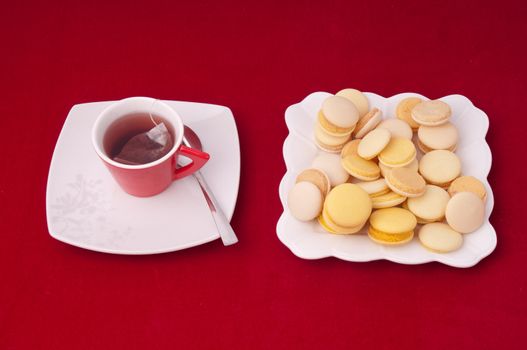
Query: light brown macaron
{"type": "Point", "coordinates": [465, 212]}
{"type": "Point", "coordinates": [468, 184]}
{"type": "Point", "coordinates": [397, 128]}
{"type": "Point", "coordinates": [443, 136]}
{"type": "Point", "coordinates": [367, 123]}
{"type": "Point", "coordinates": [440, 238]}
{"type": "Point", "coordinates": [431, 113]}
{"type": "Point", "coordinates": [440, 167]}
{"type": "Point", "coordinates": [404, 108]}
{"type": "Point", "coordinates": [350, 148]}
{"type": "Point", "coordinates": [414, 165]}
{"type": "Point", "coordinates": [327, 142]}
{"type": "Point", "coordinates": [316, 177]}
{"type": "Point", "coordinates": [406, 182]}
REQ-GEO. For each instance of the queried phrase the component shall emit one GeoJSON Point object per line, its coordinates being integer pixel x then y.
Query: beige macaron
{"type": "Point", "coordinates": [373, 143]}
{"type": "Point", "coordinates": [399, 152]}
{"type": "Point", "coordinates": [431, 113]}
{"type": "Point", "coordinates": [305, 201]}
{"type": "Point", "coordinates": [468, 184]}
{"type": "Point", "coordinates": [338, 116]}
{"type": "Point", "coordinates": [406, 182]}
{"type": "Point", "coordinates": [367, 123]}
{"type": "Point", "coordinates": [316, 177]}
{"type": "Point", "coordinates": [397, 127]}
{"type": "Point", "coordinates": [431, 205]}
{"type": "Point", "coordinates": [440, 238]}
{"type": "Point", "coordinates": [443, 136]}
{"type": "Point", "coordinates": [374, 188]}
{"type": "Point", "coordinates": [465, 212]}
{"type": "Point", "coordinates": [440, 167]}
{"type": "Point", "coordinates": [350, 148]}
{"type": "Point", "coordinates": [357, 98]}
{"type": "Point", "coordinates": [327, 142]}
{"type": "Point", "coordinates": [404, 108]}
{"type": "Point", "coordinates": [387, 200]}
{"type": "Point", "coordinates": [330, 165]}
{"type": "Point", "coordinates": [414, 165]}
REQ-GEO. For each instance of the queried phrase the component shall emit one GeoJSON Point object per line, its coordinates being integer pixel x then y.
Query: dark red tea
{"type": "Point", "coordinates": [127, 139]}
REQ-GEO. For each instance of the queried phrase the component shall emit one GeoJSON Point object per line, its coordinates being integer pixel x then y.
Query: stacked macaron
{"type": "Point", "coordinates": [379, 169]}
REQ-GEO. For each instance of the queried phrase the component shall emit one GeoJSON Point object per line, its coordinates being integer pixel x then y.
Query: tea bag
{"type": "Point", "coordinates": [146, 147]}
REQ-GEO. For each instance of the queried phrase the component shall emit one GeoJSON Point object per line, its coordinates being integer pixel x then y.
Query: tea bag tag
{"type": "Point", "coordinates": [158, 134]}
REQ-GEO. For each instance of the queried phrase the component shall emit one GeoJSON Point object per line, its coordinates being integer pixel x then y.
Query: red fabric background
{"type": "Point", "coordinates": [257, 58]}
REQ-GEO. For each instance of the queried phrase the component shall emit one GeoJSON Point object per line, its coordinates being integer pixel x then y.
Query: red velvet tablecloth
{"type": "Point", "coordinates": [257, 58]}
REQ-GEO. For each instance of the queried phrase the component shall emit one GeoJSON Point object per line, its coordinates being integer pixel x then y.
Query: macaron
{"type": "Point", "coordinates": [392, 226]}
{"type": "Point", "coordinates": [373, 143]}
{"type": "Point", "coordinates": [398, 153]}
{"type": "Point", "coordinates": [404, 108]}
{"type": "Point", "coordinates": [362, 169]}
{"type": "Point", "coordinates": [338, 116]}
{"type": "Point", "coordinates": [440, 238]}
{"type": "Point", "coordinates": [346, 209]}
{"type": "Point", "coordinates": [367, 123]}
{"type": "Point", "coordinates": [443, 136]}
{"type": "Point", "coordinates": [414, 165]}
{"type": "Point", "coordinates": [374, 188]}
{"type": "Point", "coordinates": [327, 142]}
{"type": "Point", "coordinates": [397, 128]}
{"type": "Point", "coordinates": [317, 178]}
{"type": "Point", "coordinates": [465, 212]}
{"type": "Point", "coordinates": [431, 206]}
{"type": "Point", "coordinates": [386, 200]}
{"type": "Point", "coordinates": [305, 201]}
{"type": "Point", "coordinates": [350, 148]}
{"type": "Point", "coordinates": [330, 164]}
{"type": "Point", "coordinates": [440, 167]}
{"type": "Point", "coordinates": [468, 184]}
{"type": "Point", "coordinates": [357, 98]}
{"type": "Point", "coordinates": [406, 182]}
{"type": "Point", "coordinates": [431, 113]}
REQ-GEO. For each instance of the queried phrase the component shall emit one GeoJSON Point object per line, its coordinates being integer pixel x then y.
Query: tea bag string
{"type": "Point", "coordinates": [150, 112]}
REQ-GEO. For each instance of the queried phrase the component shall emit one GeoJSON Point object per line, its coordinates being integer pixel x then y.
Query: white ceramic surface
{"type": "Point", "coordinates": [85, 207]}
{"type": "Point", "coordinates": [310, 241]}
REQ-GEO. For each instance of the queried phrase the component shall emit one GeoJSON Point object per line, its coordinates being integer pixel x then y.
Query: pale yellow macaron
{"type": "Point", "coordinates": [392, 226]}
{"type": "Point", "coordinates": [374, 188]}
{"type": "Point", "coordinates": [465, 212]}
{"type": "Point", "coordinates": [443, 136]}
{"type": "Point", "coordinates": [404, 108]}
{"type": "Point", "coordinates": [316, 177]}
{"type": "Point", "coordinates": [431, 113]}
{"type": "Point", "coordinates": [397, 128]}
{"type": "Point", "coordinates": [362, 169]}
{"type": "Point", "coordinates": [305, 201]}
{"type": "Point", "coordinates": [431, 206]}
{"type": "Point", "coordinates": [406, 182]}
{"type": "Point", "coordinates": [398, 153]}
{"type": "Point", "coordinates": [327, 142]}
{"type": "Point", "coordinates": [357, 98]}
{"type": "Point", "coordinates": [468, 184]}
{"type": "Point", "coordinates": [440, 167]}
{"type": "Point", "coordinates": [373, 143]}
{"type": "Point", "coordinates": [346, 209]}
{"type": "Point", "coordinates": [338, 116]}
{"type": "Point", "coordinates": [387, 200]}
{"type": "Point", "coordinates": [350, 148]}
{"type": "Point", "coordinates": [414, 165]}
{"type": "Point", "coordinates": [367, 123]}
{"type": "Point", "coordinates": [440, 238]}
{"type": "Point", "coordinates": [331, 165]}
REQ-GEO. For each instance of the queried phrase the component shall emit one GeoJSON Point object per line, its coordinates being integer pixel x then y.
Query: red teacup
{"type": "Point", "coordinates": [148, 179]}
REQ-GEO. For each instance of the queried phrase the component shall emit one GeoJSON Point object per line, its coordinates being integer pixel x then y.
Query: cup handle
{"type": "Point", "coordinates": [198, 160]}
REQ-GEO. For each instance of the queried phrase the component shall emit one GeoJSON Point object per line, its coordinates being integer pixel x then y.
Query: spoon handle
{"type": "Point", "coordinates": [227, 234]}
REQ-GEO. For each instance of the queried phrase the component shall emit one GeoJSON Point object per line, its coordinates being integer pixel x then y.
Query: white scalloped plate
{"type": "Point", "coordinates": [309, 241]}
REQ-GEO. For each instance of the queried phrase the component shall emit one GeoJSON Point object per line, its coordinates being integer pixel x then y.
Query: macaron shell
{"type": "Point", "coordinates": [387, 200]}
{"type": "Point", "coordinates": [317, 178]}
{"type": "Point", "coordinates": [444, 136]}
{"type": "Point", "coordinates": [357, 98]}
{"type": "Point", "coordinates": [373, 143]}
{"type": "Point", "coordinates": [431, 113]}
{"type": "Point", "coordinates": [360, 168]}
{"type": "Point", "coordinates": [426, 149]}
{"type": "Point", "coordinates": [330, 164]}
{"type": "Point", "coordinates": [404, 108]}
{"type": "Point", "coordinates": [440, 238]}
{"type": "Point", "coordinates": [431, 205]}
{"type": "Point", "coordinates": [393, 220]}
{"type": "Point", "coordinates": [332, 227]}
{"type": "Point", "coordinates": [332, 129]}
{"type": "Point", "coordinates": [373, 187]}
{"type": "Point", "coordinates": [350, 148]}
{"type": "Point", "coordinates": [398, 153]}
{"type": "Point", "coordinates": [440, 167]}
{"type": "Point", "coordinates": [328, 139]}
{"type": "Point", "coordinates": [340, 111]}
{"type": "Point", "coordinates": [465, 212]}
{"type": "Point", "coordinates": [348, 205]}
{"type": "Point", "coordinates": [468, 184]}
{"type": "Point", "coordinates": [414, 165]}
{"type": "Point", "coordinates": [388, 238]}
{"type": "Point", "coordinates": [406, 182]}
{"type": "Point", "coordinates": [304, 201]}
{"type": "Point", "coordinates": [397, 128]}
{"type": "Point", "coordinates": [367, 123]}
